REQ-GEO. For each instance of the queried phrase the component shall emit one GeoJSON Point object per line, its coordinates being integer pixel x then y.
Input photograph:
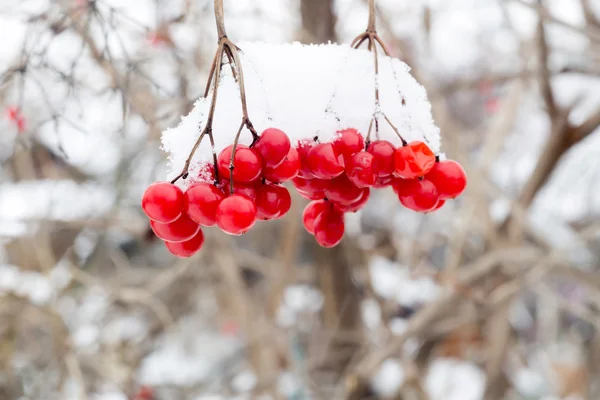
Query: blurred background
{"type": "Point", "coordinates": [496, 296]}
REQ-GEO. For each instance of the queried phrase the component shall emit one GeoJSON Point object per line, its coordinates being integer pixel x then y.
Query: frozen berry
{"type": "Point", "coordinates": [383, 157]}
{"type": "Point", "coordinates": [383, 181]}
{"type": "Point", "coordinates": [303, 148]}
{"type": "Point", "coordinates": [358, 204]}
{"type": "Point", "coordinates": [201, 203]}
{"type": "Point", "coordinates": [343, 191]}
{"type": "Point", "coordinates": [417, 194]}
{"type": "Point", "coordinates": [272, 201]}
{"type": "Point", "coordinates": [247, 164]}
{"type": "Point", "coordinates": [348, 142]}
{"type": "Point", "coordinates": [177, 231]}
{"type": "Point", "coordinates": [413, 160]}
{"type": "Point", "coordinates": [163, 202]}
{"type": "Point", "coordinates": [236, 215]}
{"type": "Point", "coordinates": [324, 161]}
{"type": "Point", "coordinates": [329, 228]}
{"type": "Point", "coordinates": [243, 189]}
{"type": "Point", "coordinates": [187, 248]}
{"type": "Point", "coordinates": [359, 169]}
{"type": "Point", "coordinates": [273, 145]}
{"type": "Point", "coordinates": [311, 212]}
{"type": "Point", "coordinates": [449, 178]}
{"type": "Point", "coordinates": [287, 170]}
{"type": "Point", "coordinates": [439, 205]}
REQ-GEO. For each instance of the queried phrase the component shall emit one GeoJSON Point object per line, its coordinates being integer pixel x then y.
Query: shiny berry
{"type": "Point", "coordinates": [359, 168]}
{"type": "Point", "coordinates": [287, 170]}
{"type": "Point", "coordinates": [312, 211]}
{"type": "Point", "coordinates": [303, 148]}
{"type": "Point", "coordinates": [243, 189]}
{"type": "Point", "coordinates": [273, 145]}
{"type": "Point", "coordinates": [163, 202]}
{"type": "Point", "coordinates": [413, 160]}
{"type": "Point", "coordinates": [329, 228]}
{"type": "Point", "coordinates": [236, 215]}
{"type": "Point", "coordinates": [449, 178]}
{"type": "Point", "coordinates": [383, 157]}
{"type": "Point", "coordinates": [417, 194]}
{"type": "Point", "coordinates": [272, 201]}
{"type": "Point", "coordinates": [177, 231]}
{"type": "Point", "coordinates": [348, 142]}
{"type": "Point", "coordinates": [314, 185]}
{"type": "Point", "coordinates": [439, 205]}
{"type": "Point", "coordinates": [325, 162]}
{"type": "Point", "coordinates": [201, 203]}
{"type": "Point", "coordinates": [247, 163]}
{"type": "Point", "coordinates": [383, 181]}
{"type": "Point", "coordinates": [358, 204]}
{"type": "Point", "coordinates": [343, 191]}
{"type": "Point", "coordinates": [311, 196]}
{"type": "Point", "coordinates": [187, 248]}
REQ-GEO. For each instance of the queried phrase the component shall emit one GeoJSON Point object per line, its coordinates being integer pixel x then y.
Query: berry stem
{"type": "Point", "coordinates": [371, 27]}
{"type": "Point", "coordinates": [227, 49]}
{"type": "Point", "coordinates": [372, 38]}
{"type": "Point", "coordinates": [220, 19]}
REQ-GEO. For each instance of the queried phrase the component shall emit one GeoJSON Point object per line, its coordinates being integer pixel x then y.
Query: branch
{"type": "Point", "coordinates": [220, 19]}
{"type": "Point", "coordinates": [544, 75]}
{"type": "Point", "coordinates": [579, 133]}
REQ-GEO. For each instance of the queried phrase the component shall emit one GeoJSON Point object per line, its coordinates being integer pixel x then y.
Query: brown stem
{"type": "Point", "coordinates": [233, 150]}
{"type": "Point", "coordinates": [220, 19]}
{"type": "Point", "coordinates": [208, 128]}
{"type": "Point", "coordinates": [374, 39]}
{"type": "Point", "coordinates": [371, 27]}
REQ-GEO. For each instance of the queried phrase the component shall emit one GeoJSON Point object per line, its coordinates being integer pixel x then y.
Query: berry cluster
{"type": "Point", "coordinates": [338, 178]}
{"type": "Point", "coordinates": [245, 187]}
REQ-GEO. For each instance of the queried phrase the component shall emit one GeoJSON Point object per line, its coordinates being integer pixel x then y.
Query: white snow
{"type": "Point", "coordinates": [450, 379]}
{"type": "Point", "coordinates": [388, 379]}
{"type": "Point", "coordinates": [291, 87]}
{"type": "Point", "coordinates": [391, 280]}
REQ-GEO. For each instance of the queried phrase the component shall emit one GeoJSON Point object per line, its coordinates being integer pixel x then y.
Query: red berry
{"type": "Point", "coordinates": [247, 163]}
{"type": "Point", "coordinates": [201, 203]}
{"type": "Point", "coordinates": [343, 191]}
{"type": "Point", "coordinates": [413, 160]}
{"type": "Point", "coordinates": [439, 205]}
{"type": "Point", "coordinates": [311, 196]}
{"type": "Point", "coordinates": [314, 185]}
{"type": "Point", "coordinates": [271, 200]}
{"type": "Point", "coordinates": [329, 228]}
{"type": "Point", "coordinates": [359, 168]}
{"type": "Point", "coordinates": [417, 194]}
{"type": "Point", "coordinates": [348, 142]}
{"type": "Point", "coordinates": [177, 231]}
{"type": "Point", "coordinates": [273, 145]}
{"type": "Point", "coordinates": [383, 181]}
{"type": "Point", "coordinates": [236, 215]}
{"type": "Point", "coordinates": [383, 157]}
{"type": "Point", "coordinates": [312, 211]}
{"type": "Point", "coordinates": [358, 204]}
{"type": "Point", "coordinates": [286, 202]}
{"type": "Point", "coordinates": [325, 162]}
{"type": "Point", "coordinates": [287, 170]}
{"type": "Point", "coordinates": [163, 202]}
{"type": "Point", "coordinates": [243, 189]}
{"type": "Point", "coordinates": [188, 248]}
{"type": "Point", "coordinates": [303, 148]}
{"type": "Point", "coordinates": [449, 178]}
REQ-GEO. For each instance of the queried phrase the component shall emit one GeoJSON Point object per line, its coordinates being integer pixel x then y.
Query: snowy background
{"type": "Point", "coordinates": [496, 296]}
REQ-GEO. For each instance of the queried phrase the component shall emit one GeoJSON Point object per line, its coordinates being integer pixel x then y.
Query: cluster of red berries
{"type": "Point", "coordinates": [338, 178]}
{"type": "Point", "coordinates": [257, 173]}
